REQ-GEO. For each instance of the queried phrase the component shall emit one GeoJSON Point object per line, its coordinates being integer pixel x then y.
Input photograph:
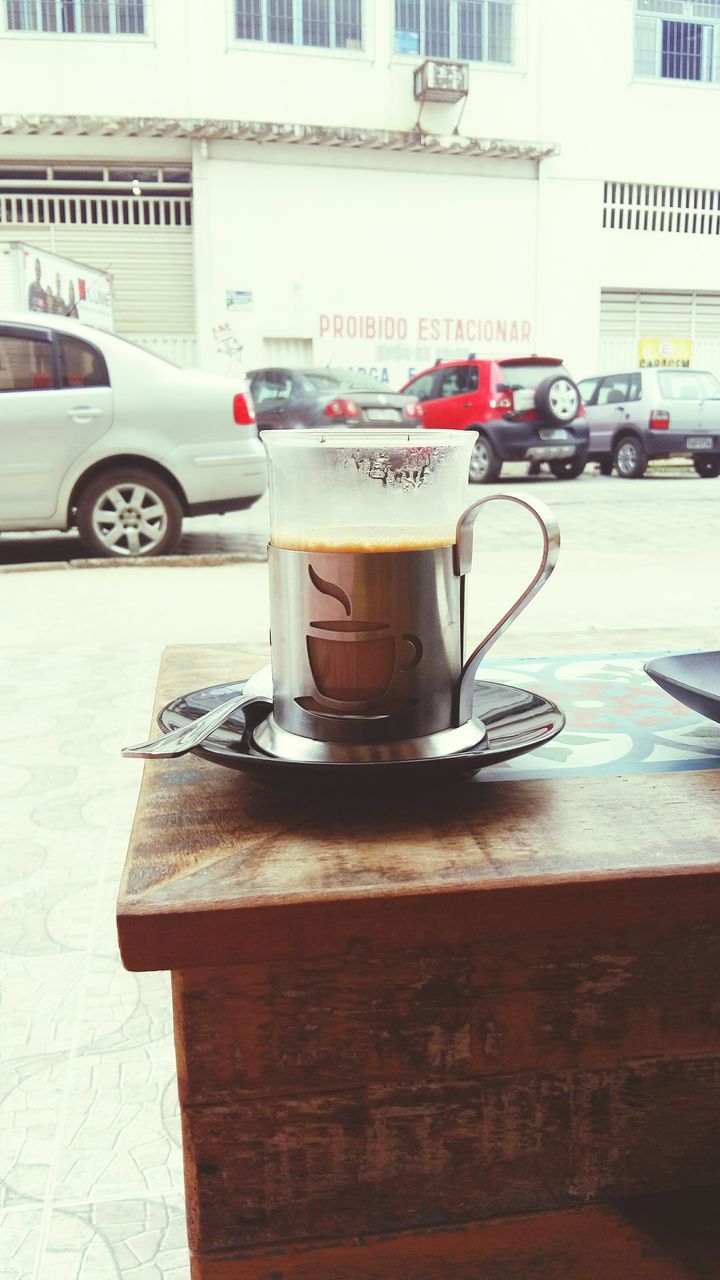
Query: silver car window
{"type": "Point", "coordinates": [26, 364]}
{"type": "Point", "coordinates": [614, 389]}
{"type": "Point", "coordinates": [81, 365]}
{"type": "Point", "coordinates": [587, 388]}
{"type": "Point", "coordinates": [421, 387]}
{"type": "Point", "coordinates": [688, 384]}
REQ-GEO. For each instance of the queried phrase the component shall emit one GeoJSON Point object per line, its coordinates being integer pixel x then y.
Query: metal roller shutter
{"type": "Point", "coordinates": [146, 245]}
{"type": "Point", "coordinates": [627, 315]}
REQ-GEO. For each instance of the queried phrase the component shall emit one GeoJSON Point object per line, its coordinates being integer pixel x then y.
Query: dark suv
{"type": "Point", "coordinates": [522, 408]}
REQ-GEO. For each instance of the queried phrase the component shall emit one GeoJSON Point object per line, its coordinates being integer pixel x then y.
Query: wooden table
{"type": "Point", "coordinates": [444, 1038]}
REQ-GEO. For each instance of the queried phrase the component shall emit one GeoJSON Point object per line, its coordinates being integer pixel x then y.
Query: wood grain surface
{"type": "Point", "coordinates": [218, 866]}
{"type": "Point", "coordinates": [667, 1237]}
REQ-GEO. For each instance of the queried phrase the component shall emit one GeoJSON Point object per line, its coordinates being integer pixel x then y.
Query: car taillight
{"type": "Point", "coordinates": [243, 409]}
{"type": "Point", "coordinates": [581, 411]}
{"type": "Point", "coordinates": [342, 409]}
{"type": "Point", "coordinates": [659, 420]}
{"type": "Point", "coordinates": [413, 409]}
{"type": "Point", "coordinates": [505, 401]}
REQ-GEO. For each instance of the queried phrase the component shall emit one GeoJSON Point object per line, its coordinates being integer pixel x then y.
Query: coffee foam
{"type": "Point", "coordinates": [349, 539]}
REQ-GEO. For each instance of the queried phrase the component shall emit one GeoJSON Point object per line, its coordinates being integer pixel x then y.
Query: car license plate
{"type": "Point", "coordinates": [549, 452]}
{"type": "Point", "coordinates": [383, 415]}
{"type": "Point", "coordinates": [699, 442]}
{"type": "Point", "coordinates": [553, 433]}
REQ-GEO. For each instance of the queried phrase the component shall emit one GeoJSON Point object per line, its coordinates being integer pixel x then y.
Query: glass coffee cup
{"type": "Point", "coordinates": [370, 548]}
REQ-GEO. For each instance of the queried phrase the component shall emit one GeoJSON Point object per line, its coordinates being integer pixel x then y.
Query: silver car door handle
{"type": "Point", "coordinates": [619, 408]}
{"type": "Point", "coordinates": [82, 413]}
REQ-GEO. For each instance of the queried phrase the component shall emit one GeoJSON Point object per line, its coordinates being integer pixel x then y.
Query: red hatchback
{"type": "Point", "coordinates": [524, 408]}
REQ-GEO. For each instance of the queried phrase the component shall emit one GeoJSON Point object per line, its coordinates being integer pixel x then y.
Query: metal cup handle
{"type": "Point", "coordinates": [462, 563]}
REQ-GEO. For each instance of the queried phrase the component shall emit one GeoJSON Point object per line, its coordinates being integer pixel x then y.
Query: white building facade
{"type": "Point", "coordinates": [266, 187]}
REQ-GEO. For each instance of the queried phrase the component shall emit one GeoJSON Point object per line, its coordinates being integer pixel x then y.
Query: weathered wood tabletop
{"type": "Point", "coordinates": [221, 869]}
{"type": "Point", "coordinates": [409, 1024]}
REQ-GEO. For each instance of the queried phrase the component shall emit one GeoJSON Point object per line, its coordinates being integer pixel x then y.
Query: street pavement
{"type": "Point", "coordinates": [90, 1156]}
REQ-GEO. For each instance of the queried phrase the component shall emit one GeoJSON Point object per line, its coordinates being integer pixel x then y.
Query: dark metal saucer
{"type": "Point", "coordinates": [692, 678]}
{"type": "Point", "coordinates": [517, 721]}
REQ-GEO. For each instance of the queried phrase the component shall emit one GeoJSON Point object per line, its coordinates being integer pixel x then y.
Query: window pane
{"type": "Point", "coordinates": [437, 28]}
{"type": "Point", "coordinates": [25, 365]}
{"type": "Point", "coordinates": [48, 14]}
{"type": "Point", "coordinates": [248, 20]}
{"type": "Point", "coordinates": [280, 21]}
{"type": "Point", "coordinates": [450, 383]}
{"type": "Point", "coordinates": [682, 50]}
{"type": "Point", "coordinates": [316, 23]}
{"type": "Point", "coordinates": [407, 26]}
{"type": "Point", "coordinates": [499, 32]}
{"type": "Point", "coordinates": [22, 15]}
{"type": "Point", "coordinates": [130, 17]}
{"type": "Point", "coordinates": [95, 16]}
{"type": "Point", "coordinates": [647, 31]}
{"type": "Point", "coordinates": [81, 365]}
{"type": "Point", "coordinates": [348, 24]}
{"type": "Point", "coordinates": [661, 6]}
{"type": "Point", "coordinates": [421, 387]}
{"type": "Point", "coordinates": [470, 30]}
{"type": "Point", "coordinates": [614, 390]}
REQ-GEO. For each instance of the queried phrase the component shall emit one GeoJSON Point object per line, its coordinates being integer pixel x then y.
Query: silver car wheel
{"type": "Point", "coordinates": [129, 520]}
{"type": "Point", "coordinates": [627, 456]}
{"type": "Point", "coordinates": [485, 465]}
{"type": "Point", "coordinates": [564, 400]}
{"type": "Point", "coordinates": [479, 459]}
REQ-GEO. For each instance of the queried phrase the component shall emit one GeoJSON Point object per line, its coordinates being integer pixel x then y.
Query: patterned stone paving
{"type": "Point", "coordinates": [90, 1154]}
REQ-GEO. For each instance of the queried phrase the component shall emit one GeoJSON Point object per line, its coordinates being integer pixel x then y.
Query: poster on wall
{"type": "Point", "coordinates": [662, 353]}
{"type": "Point", "coordinates": [59, 286]}
{"type": "Point", "coordinates": [239, 300]}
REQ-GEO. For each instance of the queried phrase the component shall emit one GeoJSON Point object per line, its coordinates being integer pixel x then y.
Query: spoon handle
{"type": "Point", "coordinates": [191, 735]}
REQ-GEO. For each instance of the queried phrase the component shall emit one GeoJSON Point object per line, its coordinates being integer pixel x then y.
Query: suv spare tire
{"type": "Point", "coordinates": [557, 400]}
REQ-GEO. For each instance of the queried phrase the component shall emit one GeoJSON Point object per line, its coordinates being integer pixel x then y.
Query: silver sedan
{"type": "Point", "coordinates": [97, 433]}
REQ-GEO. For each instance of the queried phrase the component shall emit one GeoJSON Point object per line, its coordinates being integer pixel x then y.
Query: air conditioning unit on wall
{"type": "Point", "coordinates": [438, 80]}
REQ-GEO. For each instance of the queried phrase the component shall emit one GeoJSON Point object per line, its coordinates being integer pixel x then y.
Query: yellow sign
{"type": "Point", "coordinates": [664, 353]}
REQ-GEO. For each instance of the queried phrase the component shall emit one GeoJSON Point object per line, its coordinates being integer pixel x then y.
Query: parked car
{"type": "Point", "coordinates": [96, 432]}
{"type": "Point", "coordinates": [327, 398]}
{"type": "Point", "coordinates": [653, 413]}
{"type": "Point", "coordinates": [522, 408]}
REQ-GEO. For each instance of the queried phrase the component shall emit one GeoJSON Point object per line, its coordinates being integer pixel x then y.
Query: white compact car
{"type": "Point", "coordinates": [96, 432]}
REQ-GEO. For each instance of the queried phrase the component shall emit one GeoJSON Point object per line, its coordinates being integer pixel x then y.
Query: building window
{"type": "Point", "coordinates": [78, 17]}
{"type": "Point", "coordinates": [474, 30]}
{"type": "Point", "coordinates": [321, 24]}
{"type": "Point", "coordinates": [678, 39]}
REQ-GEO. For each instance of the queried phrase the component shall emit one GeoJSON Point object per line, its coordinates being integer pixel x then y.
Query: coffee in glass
{"type": "Point", "coordinates": [369, 551]}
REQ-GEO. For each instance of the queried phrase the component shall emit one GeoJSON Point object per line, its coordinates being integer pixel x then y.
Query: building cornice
{"type": "Point", "coordinates": [302, 135]}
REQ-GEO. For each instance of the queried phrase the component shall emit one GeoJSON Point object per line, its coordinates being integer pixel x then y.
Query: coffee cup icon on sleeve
{"type": "Point", "coordinates": [352, 660]}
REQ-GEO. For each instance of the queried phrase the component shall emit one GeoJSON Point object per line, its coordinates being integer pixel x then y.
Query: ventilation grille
{"type": "Point", "coordinates": [636, 206]}
{"type": "Point", "coordinates": [95, 210]}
